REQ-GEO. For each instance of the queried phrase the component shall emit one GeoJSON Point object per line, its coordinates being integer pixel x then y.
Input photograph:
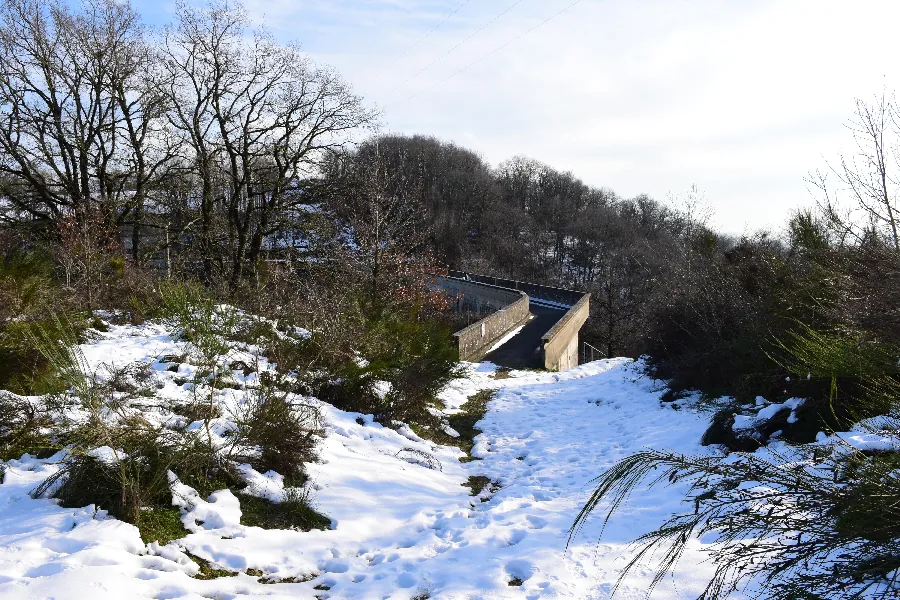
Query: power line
{"type": "Point", "coordinates": [473, 34]}
{"type": "Point", "coordinates": [495, 50]}
{"type": "Point", "coordinates": [435, 28]}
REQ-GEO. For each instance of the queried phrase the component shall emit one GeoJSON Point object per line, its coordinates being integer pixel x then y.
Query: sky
{"type": "Point", "coordinates": [743, 99]}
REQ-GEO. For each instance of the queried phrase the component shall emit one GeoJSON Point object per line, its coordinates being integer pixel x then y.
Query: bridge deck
{"type": "Point", "coordinates": [523, 350]}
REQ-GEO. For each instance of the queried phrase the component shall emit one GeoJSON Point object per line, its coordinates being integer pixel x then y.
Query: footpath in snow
{"type": "Point", "coordinates": [400, 530]}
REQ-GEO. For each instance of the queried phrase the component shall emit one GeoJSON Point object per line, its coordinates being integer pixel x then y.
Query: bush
{"type": "Point", "coordinates": [123, 467]}
{"type": "Point", "coordinates": [414, 356]}
{"type": "Point", "coordinates": [282, 431]}
{"type": "Point", "coordinates": [161, 525]}
{"type": "Point", "coordinates": [803, 526]}
{"type": "Point", "coordinates": [28, 296]}
{"type": "Point", "coordinates": [121, 488]}
{"type": "Point", "coordinates": [24, 427]}
{"type": "Point", "coordinates": [284, 344]}
{"type": "Point", "coordinates": [293, 512]}
{"type": "Point", "coordinates": [855, 375]}
{"type": "Point", "coordinates": [134, 291]}
{"type": "Point", "coordinates": [26, 285]}
{"type": "Point", "coordinates": [132, 380]}
{"type": "Point", "coordinates": [207, 325]}
{"type": "Point", "coordinates": [708, 333]}
{"type": "Point", "coordinates": [844, 376]}
{"type": "Point", "coordinates": [120, 481]}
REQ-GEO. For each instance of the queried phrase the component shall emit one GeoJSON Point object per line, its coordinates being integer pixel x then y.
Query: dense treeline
{"type": "Point", "coordinates": [525, 220]}
{"type": "Point", "coordinates": [707, 308]}
{"type": "Point", "coordinates": [662, 282]}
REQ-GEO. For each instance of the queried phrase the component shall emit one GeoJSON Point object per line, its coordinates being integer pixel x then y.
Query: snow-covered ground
{"type": "Point", "coordinates": [400, 529]}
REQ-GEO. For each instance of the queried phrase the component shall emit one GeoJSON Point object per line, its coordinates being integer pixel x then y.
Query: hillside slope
{"type": "Point", "coordinates": [401, 528]}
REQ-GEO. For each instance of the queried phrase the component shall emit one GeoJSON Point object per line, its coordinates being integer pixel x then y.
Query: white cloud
{"type": "Point", "coordinates": [742, 98]}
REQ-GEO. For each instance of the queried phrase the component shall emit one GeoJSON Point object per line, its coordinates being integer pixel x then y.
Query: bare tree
{"type": "Point", "coordinates": [74, 120]}
{"type": "Point", "coordinates": [148, 149]}
{"type": "Point", "coordinates": [869, 177]}
{"type": "Point", "coordinates": [386, 233]}
{"type": "Point", "coordinates": [257, 115]}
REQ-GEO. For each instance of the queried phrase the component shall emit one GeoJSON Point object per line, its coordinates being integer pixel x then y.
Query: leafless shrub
{"type": "Point", "coordinates": [419, 457]}
{"type": "Point", "coordinates": [25, 426]}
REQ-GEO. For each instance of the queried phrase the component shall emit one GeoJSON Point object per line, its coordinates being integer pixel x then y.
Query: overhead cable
{"type": "Point", "coordinates": [471, 35]}
{"type": "Point", "coordinates": [435, 28]}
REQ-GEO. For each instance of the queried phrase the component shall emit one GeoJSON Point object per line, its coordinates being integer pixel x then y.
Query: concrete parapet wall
{"type": "Point", "coordinates": [475, 340]}
{"type": "Point", "coordinates": [511, 302]}
{"type": "Point", "coordinates": [476, 296]}
{"type": "Point", "coordinates": [536, 292]}
{"type": "Point", "coordinates": [560, 344]}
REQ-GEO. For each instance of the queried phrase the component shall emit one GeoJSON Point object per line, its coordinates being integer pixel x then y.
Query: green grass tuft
{"type": "Point", "coordinates": [464, 422]}
{"type": "Point", "coordinates": [477, 483]}
{"type": "Point", "coordinates": [207, 571]}
{"type": "Point", "coordinates": [501, 373]}
{"type": "Point", "coordinates": [161, 525]}
{"type": "Point", "coordinates": [294, 512]}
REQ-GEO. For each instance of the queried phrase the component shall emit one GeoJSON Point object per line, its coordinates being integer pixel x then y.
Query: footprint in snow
{"type": "Point", "coordinates": [516, 537]}
{"type": "Point", "coordinates": [147, 575]}
{"type": "Point", "coordinates": [536, 522]}
{"type": "Point", "coordinates": [336, 566]}
{"type": "Point", "coordinates": [520, 569]}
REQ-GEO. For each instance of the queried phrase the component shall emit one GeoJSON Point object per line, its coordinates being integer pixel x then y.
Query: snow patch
{"type": "Point", "coordinates": [397, 527]}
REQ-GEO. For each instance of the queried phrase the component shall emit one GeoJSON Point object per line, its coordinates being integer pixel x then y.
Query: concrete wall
{"type": "Point", "coordinates": [475, 296]}
{"type": "Point", "coordinates": [510, 300]}
{"type": "Point", "coordinates": [537, 292]}
{"type": "Point", "coordinates": [475, 340]}
{"type": "Point", "coordinates": [560, 344]}
{"type": "Point", "coordinates": [511, 307]}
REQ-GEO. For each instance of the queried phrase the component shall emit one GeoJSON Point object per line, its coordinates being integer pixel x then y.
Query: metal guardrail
{"type": "Point", "coordinates": [594, 353]}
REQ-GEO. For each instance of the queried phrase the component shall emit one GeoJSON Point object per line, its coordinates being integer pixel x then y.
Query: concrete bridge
{"type": "Point", "coordinates": [529, 325]}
